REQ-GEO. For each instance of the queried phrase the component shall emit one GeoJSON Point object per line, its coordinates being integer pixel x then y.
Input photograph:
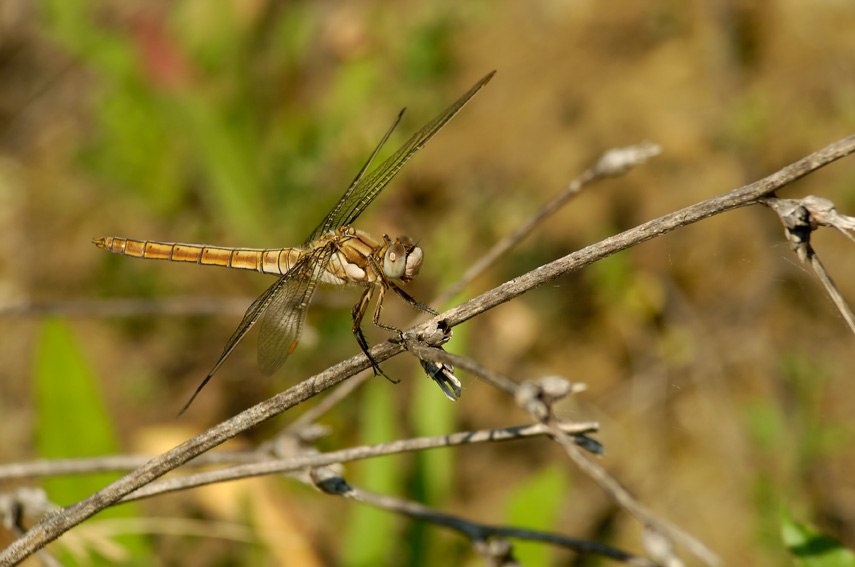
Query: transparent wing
{"type": "Point", "coordinates": [364, 189]}
{"type": "Point", "coordinates": [282, 321]}
{"type": "Point", "coordinates": [328, 222]}
{"type": "Point", "coordinates": [286, 291]}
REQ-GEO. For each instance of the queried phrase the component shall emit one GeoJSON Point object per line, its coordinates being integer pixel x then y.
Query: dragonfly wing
{"type": "Point", "coordinates": [282, 320]}
{"type": "Point", "coordinates": [329, 222]}
{"type": "Point", "coordinates": [252, 315]}
{"type": "Point", "coordinates": [365, 188]}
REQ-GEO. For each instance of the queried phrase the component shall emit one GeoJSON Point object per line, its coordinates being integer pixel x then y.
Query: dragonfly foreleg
{"type": "Point", "coordinates": [409, 299]}
{"type": "Point", "coordinates": [377, 308]}
{"type": "Point", "coordinates": [358, 313]}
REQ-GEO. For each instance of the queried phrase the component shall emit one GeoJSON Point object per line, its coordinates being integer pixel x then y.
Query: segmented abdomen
{"type": "Point", "coordinates": [274, 261]}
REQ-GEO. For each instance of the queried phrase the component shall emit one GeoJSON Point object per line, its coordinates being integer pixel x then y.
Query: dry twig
{"type": "Point", "coordinates": [537, 400]}
{"type": "Point", "coordinates": [800, 217]}
{"type": "Point", "coordinates": [613, 163]}
{"type": "Point", "coordinates": [53, 525]}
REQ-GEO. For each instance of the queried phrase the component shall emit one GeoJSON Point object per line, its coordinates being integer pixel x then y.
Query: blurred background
{"type": "Point", "coordinates": [720, 373]}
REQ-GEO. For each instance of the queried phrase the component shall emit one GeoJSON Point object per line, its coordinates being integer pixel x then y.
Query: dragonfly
{"type": "Point", "coordinates": [335, 254]}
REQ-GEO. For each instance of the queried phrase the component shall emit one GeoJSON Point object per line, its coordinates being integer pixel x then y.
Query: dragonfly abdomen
{"type": "Point", "coordinates": [268, 261]}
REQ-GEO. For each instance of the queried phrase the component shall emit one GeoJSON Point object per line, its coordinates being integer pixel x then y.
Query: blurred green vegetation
{"type": "Point", "coordinates": [811, 548]}
{"type": "Point", "coordinates": [536, 504]}
{"type": "Point", "coordinates": [74, 422]}
{"type": "Point", "coordinates": [720, 374]}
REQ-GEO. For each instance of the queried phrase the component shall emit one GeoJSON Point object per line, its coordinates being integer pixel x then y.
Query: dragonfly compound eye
{"type": "Point", "coordinates": [414, 263]}
{"type": "Point", "coordinates": [406, 241]}
{"type": "Point", "coordinates": [395, 261]}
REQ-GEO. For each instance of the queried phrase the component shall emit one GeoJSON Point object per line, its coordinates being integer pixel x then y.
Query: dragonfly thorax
{"type": "Point", "coordinates": [402, 259]}
{"type": "Point", "coordinates": [360, 258]}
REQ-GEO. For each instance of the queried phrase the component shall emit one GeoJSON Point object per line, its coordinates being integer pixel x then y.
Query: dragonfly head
{"type": "Point", "coordinates": [402, 259]}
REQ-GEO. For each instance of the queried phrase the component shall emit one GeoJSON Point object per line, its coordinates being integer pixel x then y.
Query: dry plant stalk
{"type": "Point", "coordinates": [423, 339]}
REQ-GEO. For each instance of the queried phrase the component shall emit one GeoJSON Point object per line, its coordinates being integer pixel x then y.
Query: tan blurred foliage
{"type": "Point", "coordinates": [721, 375]}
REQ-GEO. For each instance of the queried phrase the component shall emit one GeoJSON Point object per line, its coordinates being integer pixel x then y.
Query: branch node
{"type": "Point", "coordinates": [529, 397]}
{"type": "Point", "coordinates": [327, 480]}
{"type": "Point", "coordinates": [660, 548]}
{"type": "Point", "coordinates": [496, 551]}
{"type": "Point", "coordinates": [22, 505]}
{"type": "Point", "coordinates": [537, 398]}
{"type": "Point", "coordinates": [800, 217]}
{"type": "Point", "coordinates": [618, 161]}
{"type": "Point", "coordinates": [440, 372]}
{"type": "Point", "coordinates": [554, 388]}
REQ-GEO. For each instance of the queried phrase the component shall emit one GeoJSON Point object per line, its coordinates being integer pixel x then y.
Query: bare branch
{"type": "Point", "coordinates": [747, 195]}
{"type": "Point", "coordinates": [326, 404]}
{"type": "Point", "coordinates": [611, 164]}
{"type": "Point", "coordinates": [53, 526]}
{"type": "Point", "coordinates": [332, 483]}
{"type": "Point", "coordinates": [629, 503]}
{"type": "Point", "coordinates": [305, 459]}
{"type": "Point", "coordinates": [481, 532]}
{"type": "Point", "coordinates": [26, 504]}
{"type": "Point", "coordinates": [800, 217]}
{"type": "Point", "coordinates": [537, 399]}
{"type": "Point", "coordinates": [257, 463]}
{"type": "Point", "coordinates": [89, 465]}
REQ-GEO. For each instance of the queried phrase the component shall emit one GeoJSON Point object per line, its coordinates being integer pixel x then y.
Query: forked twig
{"type": "Point", "coordinates": [56, 524]}
{"type": "Point", "coordinates": [800, 218]}
{"type": "Point", "coordinates": [741, 197]}
{"type": "Point", "coordinates": [614, 162]}
{"type": "Point", "coordinates": [537, 400]}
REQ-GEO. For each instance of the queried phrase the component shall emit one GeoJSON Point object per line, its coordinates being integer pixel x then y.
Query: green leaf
{"type": "Point", "coordinates": [74, 422]}
{"type": "Point", "coordinates": [536, 504]}
{"type": "Point", "coordinates": [369, 539]}
{"type": "Point", "coordinates": [811, 548]}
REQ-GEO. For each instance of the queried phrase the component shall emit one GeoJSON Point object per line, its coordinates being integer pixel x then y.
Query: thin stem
{"type": "Point", "coordinates": [55, 525]}
{"type": "Point", "coordinates": [598, 474]}
{"type": "Point", "coordinates": [308, 460]}
{"type": "Point", "coordinates": [480, 532]}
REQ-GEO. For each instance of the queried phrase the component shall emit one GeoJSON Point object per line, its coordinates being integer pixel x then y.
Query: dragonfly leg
{"type": "Point", "coordinates": [358, 313]}
{"type": "Point", "coordinates": [380, 297]}
{"type": "Point", "coordinates": [386, 283]}
{"type": "Point", "coordinates": [409, 299]}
